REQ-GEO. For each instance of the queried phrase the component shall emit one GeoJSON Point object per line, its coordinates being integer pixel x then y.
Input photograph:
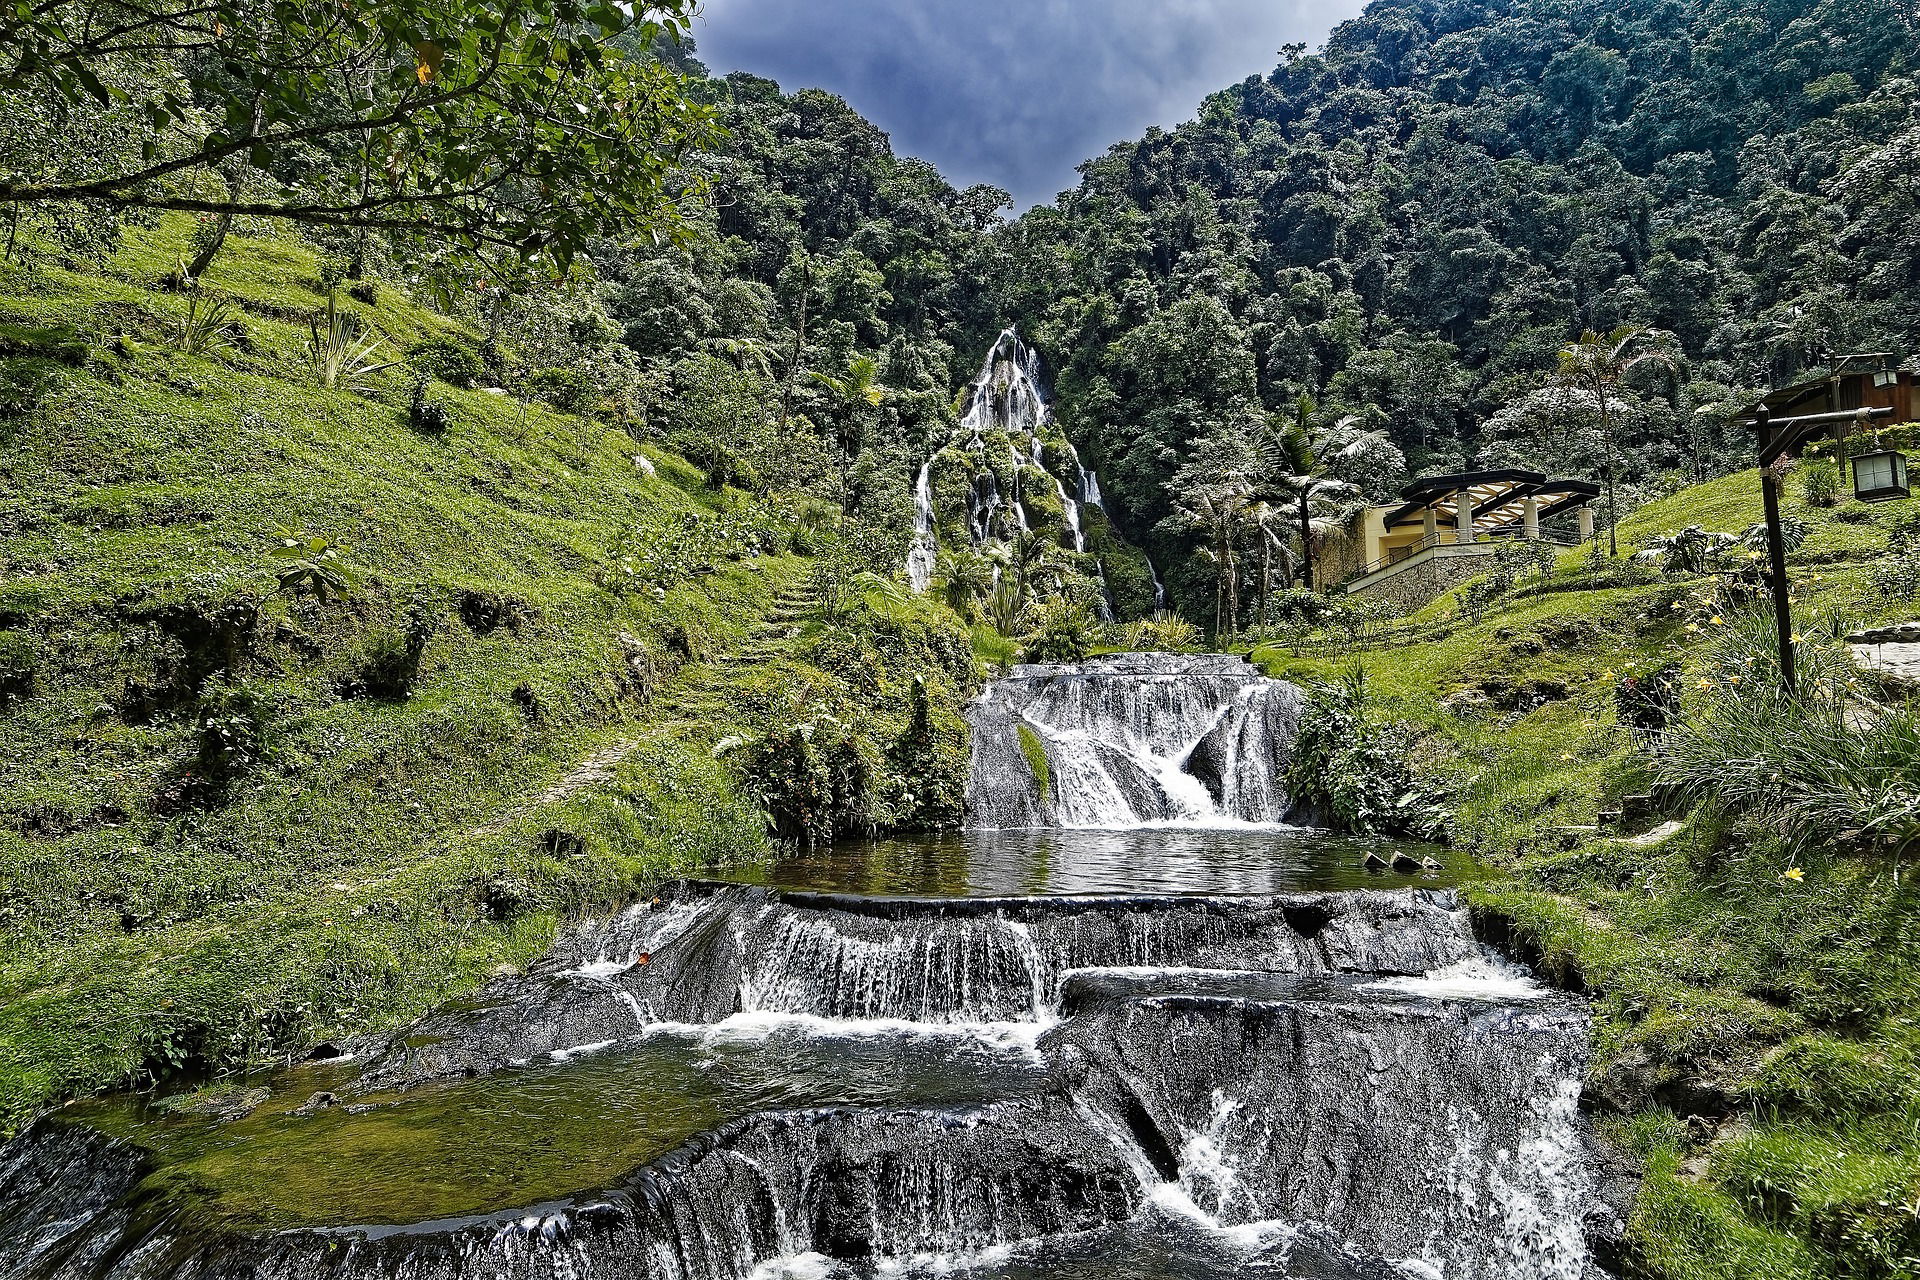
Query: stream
{"type": "Point", "coordinates": [1133, 1024]}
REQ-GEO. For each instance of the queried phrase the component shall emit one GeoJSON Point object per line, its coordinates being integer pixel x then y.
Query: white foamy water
{"type": "Point", "coordinates": [1480, 978]}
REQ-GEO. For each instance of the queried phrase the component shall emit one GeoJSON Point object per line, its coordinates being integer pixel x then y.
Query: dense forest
{"type": "Point", "coordinates": [1399, 234]}
{"type": "Point", "coordinates": [1382, 247]}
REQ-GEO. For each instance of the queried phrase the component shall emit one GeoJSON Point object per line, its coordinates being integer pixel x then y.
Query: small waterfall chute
{"type": "Point", "coordinates": [925, 550]}
{"type": "Point", "coordinates": [1132, 740]}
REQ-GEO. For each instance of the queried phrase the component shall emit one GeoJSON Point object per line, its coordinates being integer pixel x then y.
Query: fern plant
{"type": "Point", "coordinates": [340, 349]}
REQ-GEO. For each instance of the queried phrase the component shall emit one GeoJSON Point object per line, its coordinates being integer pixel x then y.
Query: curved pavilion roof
{"type": "Point", "coordinates": [1499, 497]}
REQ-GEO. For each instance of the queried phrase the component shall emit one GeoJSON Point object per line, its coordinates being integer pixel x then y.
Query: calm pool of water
{"type": "Point", "coordinates": [1152, 860]}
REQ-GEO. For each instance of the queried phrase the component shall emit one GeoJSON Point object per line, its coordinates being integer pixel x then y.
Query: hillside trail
{"type": "Point", "coordinates": [700, 694]}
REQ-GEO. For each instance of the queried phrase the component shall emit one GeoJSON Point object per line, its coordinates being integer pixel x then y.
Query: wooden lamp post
{"type": "Point", "coordinates": [1777, 443]}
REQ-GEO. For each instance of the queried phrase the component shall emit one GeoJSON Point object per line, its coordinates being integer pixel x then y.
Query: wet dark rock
{"type": "Point", "coordinates": [715, 949]}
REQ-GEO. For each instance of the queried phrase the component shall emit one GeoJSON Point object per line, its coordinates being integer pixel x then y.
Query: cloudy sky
{"type": "Point", "coordinates": [1012, 92]}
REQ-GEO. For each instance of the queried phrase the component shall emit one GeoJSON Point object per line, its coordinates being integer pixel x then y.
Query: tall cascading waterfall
{"type": "Point", "coordinates": [1005, 399]}
{"type": "Point", "coordinates": [1309, 1086]}
{"type": "Point", "coordinates": [1131, 740]}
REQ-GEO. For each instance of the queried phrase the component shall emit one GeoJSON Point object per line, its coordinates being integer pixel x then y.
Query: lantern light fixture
{"type": "Point", "coordinates": [1880, 476]}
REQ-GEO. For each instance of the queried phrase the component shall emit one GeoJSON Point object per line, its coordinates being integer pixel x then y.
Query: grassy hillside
{"type": "Point", "coordinates": [238, 817]}
{"type": "Point", "coordinates": [1757, 987]}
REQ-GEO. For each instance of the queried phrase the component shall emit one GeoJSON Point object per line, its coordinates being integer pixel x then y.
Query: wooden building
{"type": "Point", "coordinates": [1867, 380]}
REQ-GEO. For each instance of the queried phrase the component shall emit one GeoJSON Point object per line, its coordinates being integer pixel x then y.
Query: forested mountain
{"type": "Point", "coordinates": [814, 247]}
{"type": "Point", "coordinates": [1400, 233]}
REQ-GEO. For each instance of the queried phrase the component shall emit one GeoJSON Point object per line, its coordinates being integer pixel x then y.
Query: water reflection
{"type": "Point", "coordinates": [1146, 860]}
{"type": "Point", "coordinates": [567, 1124]}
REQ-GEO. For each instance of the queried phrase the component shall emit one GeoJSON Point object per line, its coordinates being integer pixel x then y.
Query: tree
{"type": "Point", "coordinates": [851, 399]}
{"type": "Point", "coordinates": [1290, 470]}
{"type": "Point", "coordinates": [966, 578]}
{"type": "Point", "coordinates": [1599, 365]}
{"type": "Point", "coordinates": [527, 127]}
{"type": "Point", "coordinates": [1212, 493]}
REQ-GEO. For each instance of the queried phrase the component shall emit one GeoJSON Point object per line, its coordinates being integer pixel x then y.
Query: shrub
{"type": "Point", "coordinates": [310, 564]}
{"type": "Point", "coordinates": [390, 661]}
{"type": "Point", "coordinates": [1692, 551]}
{"type": "Point", "coordinates": [568, 390]}
{"type": "Point", "coordinates": [456, 363]}
{"type": "Point", "coordinates": [1793, 534]}
{"type": "Point", "coordinates": [340, 349]}
{"type": "Point", "coordinates": [929, 764]}
{"type": "Point", "coordinates": [672, 550]}
{"type": "Point", "coordinates": [814, 780]}
{"type": "Point", "coordinates": [1162, 633]}
{"type": "Point", "coordinates": [1352, 770]}
{"type": "Point", "coordinates": [1648, 704]}
{"type": "Point", "coordinates": [427, 414]}
{"type": "Point", "coordinates": [1808, 766]}
{"type": "Point", "coordinates": [229, 735]}
{"type": "Point", "coordinates": [1059, 631]}
{"type": "Point", "coordinates": [1820, 484]}
{"type": "Point", "coordinates": [719, 464]}
{"type": "Point", "coordinates": [207, 325]}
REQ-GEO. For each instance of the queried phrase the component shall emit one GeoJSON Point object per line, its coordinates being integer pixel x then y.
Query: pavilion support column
{"type": "Point", "coordinates": [1463, 517]}
{"type": "Point", "coordinates": [1531, 525]}
{"type": "Point", "coordinates": [1430, 527]}
{"type": "Point", "coordinates": [1586, 524]}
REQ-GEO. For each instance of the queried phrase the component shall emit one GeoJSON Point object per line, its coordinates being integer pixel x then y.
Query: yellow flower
{"type": "Point", "coordinates": [1705, 683]}
{"type": "Point", "coordinates": [1733, 679]}
{"type": "Point", "coordinates": [1797, 637]}
{"type": "Point", "coordinates": [1607, 674]}
{"type": "Point", "coordinates": [1793, 873]}
{"type": "Point", "coordinates": [1717, 622]}
{"type": "Point", "coordinates": [1566, 755]}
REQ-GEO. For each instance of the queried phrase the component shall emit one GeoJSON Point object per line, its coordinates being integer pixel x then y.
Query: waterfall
{"type": "Point", "coordinates": [1004, 397]}
{"type": "Point", "coordinates": [1159, 587]}
{"type": "Point", "coordinates": [920, 559]}
{"type": "Point", "coordinates": [847, 1085]}
{"type": "Point", "coordinates": [1132, 739]}
{"type": "Point", "coordinates": [1215, 1075]}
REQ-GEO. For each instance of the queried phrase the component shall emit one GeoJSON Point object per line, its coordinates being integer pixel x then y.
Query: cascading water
{"type": "Point", "coordinates": [925, 550]}
{"type": "Point", "coordinates": [1129, 740]}
{"type": "Point", "coordinates": [1321, 1085]}
{"type": "Point", "coordinates": [1005, 400]}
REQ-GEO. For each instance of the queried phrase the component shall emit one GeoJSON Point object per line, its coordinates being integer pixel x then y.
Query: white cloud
{"type": "Point", "coordinates": [1006, 92]}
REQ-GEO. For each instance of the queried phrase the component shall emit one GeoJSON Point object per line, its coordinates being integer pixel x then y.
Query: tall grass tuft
{"type": "Point", "coordinates": [1821, 767]}
{"type": "Point", "coordinates": [340, 350]}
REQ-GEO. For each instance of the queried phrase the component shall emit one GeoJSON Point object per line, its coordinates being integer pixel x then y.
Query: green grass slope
{"type": "Point", "coordinates": [1757, 1001]}
{"type": "Point", "coordinates": [364, 847]}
